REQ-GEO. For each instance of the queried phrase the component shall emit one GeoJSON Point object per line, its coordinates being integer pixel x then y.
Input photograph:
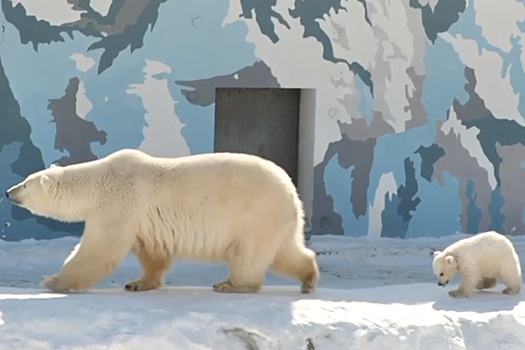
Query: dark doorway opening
{"type": "Point", "coordinates": [260, 121]}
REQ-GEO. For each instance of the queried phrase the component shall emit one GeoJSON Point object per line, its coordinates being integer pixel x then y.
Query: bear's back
{"type": "Point", "coordinates": [487, 246]}
{"type": "Point", "coordinates": [209, 182]}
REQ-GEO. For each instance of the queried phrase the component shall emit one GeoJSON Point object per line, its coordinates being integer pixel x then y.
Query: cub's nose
{"type": "Point", "coordinates": [7, 194]}
{"type": "Point", "coordinates": [441, 284]}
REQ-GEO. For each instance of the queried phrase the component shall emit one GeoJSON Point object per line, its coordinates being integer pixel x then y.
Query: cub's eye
{"type": "Point", "coordinates": [441, 274]}
{"type": "Point", "coordinates": [25, 185]}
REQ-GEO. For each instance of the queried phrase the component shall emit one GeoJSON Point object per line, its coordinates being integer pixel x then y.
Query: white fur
{"type": "Point", "coordinates": [480, 260]}
{"type": "Point", "coordinates": [219, 206]}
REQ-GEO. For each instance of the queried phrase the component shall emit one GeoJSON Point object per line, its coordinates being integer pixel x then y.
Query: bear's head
{"type": "Point", "coordinates": [47, 193]}
{"type": "Point", "coordinates": [445, 267]}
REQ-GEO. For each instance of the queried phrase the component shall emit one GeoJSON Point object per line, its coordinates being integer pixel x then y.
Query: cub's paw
{"type": "Point", "coordinates": [511, 291]}
{"type": "Point", "coordinates": [457, 294]}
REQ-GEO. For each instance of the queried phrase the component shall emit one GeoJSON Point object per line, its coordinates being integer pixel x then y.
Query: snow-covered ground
{"type": "Point", "coordinates": [373, 294]}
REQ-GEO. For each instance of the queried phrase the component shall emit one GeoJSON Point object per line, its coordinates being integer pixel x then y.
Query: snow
{"type": "Point", "coordinates": [374, 293]}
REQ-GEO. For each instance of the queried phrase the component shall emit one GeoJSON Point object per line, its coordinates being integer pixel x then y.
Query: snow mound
{"type": "Point", "coordinates": [417, 316]}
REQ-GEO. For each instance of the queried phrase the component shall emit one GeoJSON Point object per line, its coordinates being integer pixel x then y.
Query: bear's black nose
{"type": "Point", "coordinates": [7, 195]}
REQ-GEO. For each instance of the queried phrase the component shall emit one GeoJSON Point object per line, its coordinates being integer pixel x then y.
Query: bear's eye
{"type": "Point", "coordinates": [25, 185]}
{"type": "Point", "coordinates": [441, 274]}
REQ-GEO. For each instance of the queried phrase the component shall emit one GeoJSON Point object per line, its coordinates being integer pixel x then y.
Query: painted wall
{"type": "Point", "coordinates": [419, 112]}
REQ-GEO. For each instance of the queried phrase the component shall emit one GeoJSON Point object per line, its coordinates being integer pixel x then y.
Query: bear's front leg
{"type": "Point", "coordinates": [102, 246]}
{"type": "Point", "coordinates": [466, 286]}
{"type": "Point", "coordinates": [153, 267]}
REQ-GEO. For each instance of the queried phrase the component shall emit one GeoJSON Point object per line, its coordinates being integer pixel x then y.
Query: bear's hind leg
{"type": "Point", "coordinates": [242, 279]}
{"type": "Point", "coordinates": [246, 272]}
{"type": "Point", "coordinates": [153, 268]}
{"type": "Point", "coordinates": [297, 261]}
{"type": "Point", "coordinates": [511, 278]}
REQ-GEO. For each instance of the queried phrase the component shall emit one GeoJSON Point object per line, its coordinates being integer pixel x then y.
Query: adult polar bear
{"type": "Point", "coordinates": [217, 206]}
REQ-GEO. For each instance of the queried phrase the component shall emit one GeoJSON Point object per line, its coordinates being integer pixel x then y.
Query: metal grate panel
{"type": "Point", "coordinates": [260, 121]}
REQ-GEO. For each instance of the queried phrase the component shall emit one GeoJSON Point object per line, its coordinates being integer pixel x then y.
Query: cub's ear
{"type": "Point", "coordinates": [434, 253]}
{"type": "Point", "coordinates": [47, 182]}
{"type": "Point", "coordinates": [450, 260]}
{"type": "Point", "coordinates": [53, 165]}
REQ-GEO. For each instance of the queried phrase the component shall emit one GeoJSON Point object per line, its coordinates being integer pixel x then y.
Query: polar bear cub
{"type": "Point", "coordinates": [480, 260]}
{"type": "Point", "coordinates": [229, 207]}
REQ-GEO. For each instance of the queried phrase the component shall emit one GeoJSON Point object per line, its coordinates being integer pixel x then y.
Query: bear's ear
{"type": "Point", "coordinates": [450, 260]}
{"type": "Point", "coordinates": [47, 182]}
{"type": "Point", "coordinates": [53, 165]}
{"type": "Point", "coordinates": [436, 253]}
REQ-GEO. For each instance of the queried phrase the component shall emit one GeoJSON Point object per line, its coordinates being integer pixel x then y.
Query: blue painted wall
{"type": "Point", "coordinates": [419, 113]}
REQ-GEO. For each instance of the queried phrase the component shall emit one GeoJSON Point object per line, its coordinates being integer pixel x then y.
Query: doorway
{"type": "Point", "coordinates": [259, 121]}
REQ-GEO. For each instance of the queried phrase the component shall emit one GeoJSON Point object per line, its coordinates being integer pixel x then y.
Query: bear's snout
{"type": "Point", "coordinates": [11, 195]}
{"type": "Point", "coordinates": [442, 284]}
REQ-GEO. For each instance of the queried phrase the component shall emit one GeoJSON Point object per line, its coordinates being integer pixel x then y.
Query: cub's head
{"type": "Point", "coordinates": [445, 267]}
{"type": "Point", "coordinates": [42, 193]}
